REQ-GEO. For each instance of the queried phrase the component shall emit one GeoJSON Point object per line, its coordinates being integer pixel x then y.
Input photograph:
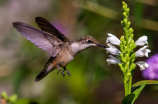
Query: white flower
{"type": "Point", "coordinates": [112, 60]}
{"type": "Point", "coordinates": [142, 65]}
{"type": "Point", "coordinates": [112, 49]}
{"type": "Point", "coordinates": [112, 39]}
{"type": "Point", "coordinates": [141, 41]}
{"type": "Point", "coordinates": [142, 52]}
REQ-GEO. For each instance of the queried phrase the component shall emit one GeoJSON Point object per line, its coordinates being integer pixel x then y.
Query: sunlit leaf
{"type": "Point", "coordinates": [26, 101]}
{"type": "Point", "coordinates": [148, 82]}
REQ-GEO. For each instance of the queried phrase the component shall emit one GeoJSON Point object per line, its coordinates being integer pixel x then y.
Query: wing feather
{"type": "Point", "coordinates": [43, 40]}
{"type": "Point", "coordinates": [48, 27]}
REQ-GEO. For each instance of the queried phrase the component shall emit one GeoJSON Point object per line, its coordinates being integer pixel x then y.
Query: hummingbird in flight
{"type": "Point", "coordinates": [50, 39]}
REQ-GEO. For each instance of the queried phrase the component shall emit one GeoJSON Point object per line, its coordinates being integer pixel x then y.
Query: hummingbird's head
{"type": "Point", "coordinates": [83, 43]}
{"type": "Point", "coordinates": [90, 41]}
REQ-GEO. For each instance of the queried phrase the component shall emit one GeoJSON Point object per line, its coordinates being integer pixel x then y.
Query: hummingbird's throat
{"type": "Point", "coordinates": [77, 47]}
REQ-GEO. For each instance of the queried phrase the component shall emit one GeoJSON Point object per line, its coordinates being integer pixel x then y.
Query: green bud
{"type": "Point", "coordinates": [132, 67]}
{"type": "Point", "coordinates": [4, 95]}
{"type": "Point", "coordinates": [125, 47]}
{"type": "Point", "coordinates": [121, 44]}
{"type": "Point", "coordinates": [128, 24]}
{"type": "Point", "coordinates": [132, 45]}
{"type": "Point", "coordinates": [127, 10]}
{"type": "Point", "coordinates": [124, 42]}
{"type": "Point", "coordinates": [132, 41]}
{"type": "Point", "coordinates": [133, 60]}
{"type": "Point", "coordinates": [123, 3]}
{"type": "Point", "coordinates": [132, 35]}
{"type": "Point", "coordinates": [127, 65]}
{"type": "Point", "coordinates": [121, 55]}
{"type": "Point", "coordinates": [124, 7]}
{"type": "Point", "coordinates": [129, 40]}
{"type": "Point", "coordinates": [131, 30]}
{"type": "Point", "coordinates": [128, 74]}
{"type": "Point", "coordinates": [132, 56]}
{"type": "Point", "coordinates": [122, 23]}
{"type": "Point", "coordinates": [125, 15]}
{"type": "Point", "coordinates": [123, 60]}
{"type": "Point", "coordinates": [121, 67]}
{"type": "Point", "coordinates": [122, 38]}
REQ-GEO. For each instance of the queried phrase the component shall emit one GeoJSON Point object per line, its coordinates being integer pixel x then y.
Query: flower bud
{"type": "Point", "coordinates": [125, 20]}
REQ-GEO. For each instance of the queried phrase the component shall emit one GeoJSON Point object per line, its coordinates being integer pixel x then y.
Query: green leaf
{"type": "Point", "coordinates": [148, 82]}
{"type": "Point", "coordinates": [129, 99]}
{"type": "Point", "coordinates": [137, 91]}
{"type": "Point", "coordinates": [4, 95]}
{"type": "Point", "coordinates": [13, 98]}
{"type": "Point", "coordinates": [22, 101]}
{"type": "Point", "coordinates": [26, 101]}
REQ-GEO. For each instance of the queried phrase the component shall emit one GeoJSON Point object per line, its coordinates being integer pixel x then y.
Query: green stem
{"type": "Point", "coordinates": [125, 85]}
{"type": "Point", "coordinates": [130, 84]}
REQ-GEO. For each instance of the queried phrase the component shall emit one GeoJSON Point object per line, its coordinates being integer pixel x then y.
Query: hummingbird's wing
{"type": "Point", "coordinates": [48, 27]}
{"type": "Point", "coordinates": [43, 40]}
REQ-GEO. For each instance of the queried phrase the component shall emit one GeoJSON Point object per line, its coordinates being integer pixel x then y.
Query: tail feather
{"type": "Point", "coordinates": [48, 67]}
{"type": "Point", "coordinates": [41, 75]}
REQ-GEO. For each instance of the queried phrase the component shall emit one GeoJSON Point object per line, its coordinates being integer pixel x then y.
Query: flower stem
{"type": "Point", "coordinates": [130, 84]}
{"type": "Point", "coordinates": [126, 88]}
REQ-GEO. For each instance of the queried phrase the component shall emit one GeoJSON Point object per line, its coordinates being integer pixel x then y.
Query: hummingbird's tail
{"type": "Point", "coordinates": [41, 75]}
{"type": "Point", "coordinates": [48, 67]}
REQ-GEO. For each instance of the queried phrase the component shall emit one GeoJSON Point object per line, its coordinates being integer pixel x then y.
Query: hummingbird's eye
{"type": "Point", "coordinates": [89, 41]}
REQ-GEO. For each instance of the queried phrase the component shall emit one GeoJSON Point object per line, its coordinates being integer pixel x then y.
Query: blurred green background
{"type": "Point", "coordinates": [92, 80]}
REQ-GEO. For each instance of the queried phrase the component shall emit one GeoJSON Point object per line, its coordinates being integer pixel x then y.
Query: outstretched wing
{"type": "Point", "coordinates": [43, 40]}
{"type": "Point", "coordinates": [48, 27]}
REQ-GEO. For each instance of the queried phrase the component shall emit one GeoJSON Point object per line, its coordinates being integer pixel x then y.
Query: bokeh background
{"type": "Point", "coordinates": [92, 80]}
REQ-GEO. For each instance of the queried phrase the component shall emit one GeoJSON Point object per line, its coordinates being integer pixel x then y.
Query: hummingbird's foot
{"type": "Point", "coordinates": [63, 74]}
{"type": "Point", "coordinates": [60, 70]}
{"type": "Point", "coordinates": [68, 73]}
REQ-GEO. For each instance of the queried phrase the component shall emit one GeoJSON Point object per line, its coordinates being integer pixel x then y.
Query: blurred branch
{"type": "Point", "coordinates": [109, 13]}
{"type": "Point", "coordinates": [149, 2]}
{"type": "Point", "coordinates": [101, 10]}
{"type": "Point", "coordinates": [149, 24]}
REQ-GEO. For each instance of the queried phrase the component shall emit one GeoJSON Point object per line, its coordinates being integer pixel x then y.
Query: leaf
{"type": "Point", "coordinates": [26, 101]}
{"type": "Point", "coordinates": [22, 101]}
{"type": "Point", "coordinates": [137, 91]}
{"type": "Point", "coordinates": [129, 99]}
{"type": "Point", "coordinates": [148, 82]}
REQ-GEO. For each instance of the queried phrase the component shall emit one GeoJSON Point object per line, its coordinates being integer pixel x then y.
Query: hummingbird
{"type": "Point", "coordinates": [51, 40]}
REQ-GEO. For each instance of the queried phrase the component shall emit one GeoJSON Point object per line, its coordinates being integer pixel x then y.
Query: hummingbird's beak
{"type": "Point", "coordinates": [100, 45]}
